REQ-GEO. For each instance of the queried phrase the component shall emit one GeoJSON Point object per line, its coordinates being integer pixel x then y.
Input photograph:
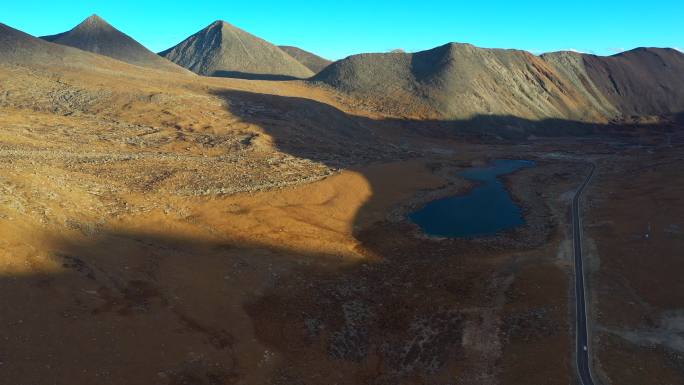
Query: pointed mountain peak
{"type": "Point", "coordinates": [94, 18]}
{"type": "Point", "coordinates": [94, 34]}
{"type": "Point", "coordinates": [222, 49]}
{"type": "Point", "coordinates": [94, 22]}
{"type": "Point", "coordinates": [222, 24]}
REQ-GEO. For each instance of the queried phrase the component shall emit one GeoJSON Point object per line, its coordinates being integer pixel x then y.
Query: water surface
{"type": "Point", "coordinates": [486, 210]}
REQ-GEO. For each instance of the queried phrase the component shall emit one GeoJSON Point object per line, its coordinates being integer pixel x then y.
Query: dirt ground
{"type": "Point", "coordinates": [281, 286]}
{"type": "Point", "coordinates": [634, 219]}
{"type": "Point", "coordinates": [159, 230]}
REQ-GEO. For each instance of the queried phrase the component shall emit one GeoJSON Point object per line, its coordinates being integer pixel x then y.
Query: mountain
{"type": "Point", "coordinates": [460, 81]}
{"type": "Point", "coordinates": [643, 81]}
{"type": "Point", "coordinates": [96, 35]}
{"type": "Point", "coordinates": [221, 49]}
{"type": "Point", "coordinates": [17, 47]}
{"type": "Point", "coordinates": [312, 61]}
{"type": "Point", "coordinates": [457, 81]}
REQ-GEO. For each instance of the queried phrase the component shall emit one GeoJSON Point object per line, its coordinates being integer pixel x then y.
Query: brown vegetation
{"type": "Point", "coordinates": [162, 228]}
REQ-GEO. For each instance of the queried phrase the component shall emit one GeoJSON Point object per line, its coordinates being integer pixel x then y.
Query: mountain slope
{"type": "Point", "coordinates": [17, 47]}
{"type": "Point", "coordinates": [460, 81]}
{"type": "Point", "coordinates": [97, 36]}
{"type": "Point", "coordinates": [221, 49]}
{"type": "Point", "coordinates": [312, 61]}
{"type": "Point", "coordinates": [570, 65]}
{"type": "Point", "coordinates": [643, 81]}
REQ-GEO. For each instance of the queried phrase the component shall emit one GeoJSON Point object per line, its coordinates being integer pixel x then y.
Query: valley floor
{"type": "Point", "coordinates": [231, 232]}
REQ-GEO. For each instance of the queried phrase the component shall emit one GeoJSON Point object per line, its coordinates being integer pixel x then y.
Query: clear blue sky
{"type": "Point", "coordinates": [335, 29]}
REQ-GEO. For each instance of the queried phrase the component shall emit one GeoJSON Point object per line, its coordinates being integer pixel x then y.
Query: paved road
{"type": "Point", "coordinates": [583, 357]}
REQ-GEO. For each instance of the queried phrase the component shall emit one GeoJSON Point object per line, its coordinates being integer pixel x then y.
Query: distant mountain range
{"type": "Point", "coordinates": [453, 81]}
{"type": "Point", "coordinates": [462, 81]}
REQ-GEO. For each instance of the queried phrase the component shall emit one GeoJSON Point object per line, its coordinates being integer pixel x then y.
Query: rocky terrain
{"type": "Point", "coordinates": [460, 81]}
{"type": "Point", "coordinates": [222, 49]}
{"type": "Point", "coordinates": [640, 82]}
{"type": "Point", "coordinates": [312, 61]}
{"type": "Point", "coordinates": [96, 35]}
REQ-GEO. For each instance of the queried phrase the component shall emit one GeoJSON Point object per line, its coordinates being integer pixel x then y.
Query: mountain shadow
{"type": "Point", "coordinates": [162, 307]}
{"type": "Point", "coordinates": [367, 316]}
{"type": "Point", "coordinates": [252, 76]}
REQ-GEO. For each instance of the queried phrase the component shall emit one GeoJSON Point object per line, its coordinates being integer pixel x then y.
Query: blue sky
{"type": "Point", "coordinates": [335, 29]}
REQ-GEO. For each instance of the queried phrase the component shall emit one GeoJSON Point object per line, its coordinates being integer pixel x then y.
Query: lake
{"type": "Point", "coordinates": [486, 210]}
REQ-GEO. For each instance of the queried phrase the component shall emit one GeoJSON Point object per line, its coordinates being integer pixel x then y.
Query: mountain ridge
{"type": "Point", "coordinates": [312, 61]}
{"type": "Point", "coordinates": [460, 80]}
{"type": "Point", "coordinates": [451, 81]}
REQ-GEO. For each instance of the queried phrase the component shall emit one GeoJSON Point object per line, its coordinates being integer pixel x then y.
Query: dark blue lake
{"type": "Point", "coordinates": [486, 210]}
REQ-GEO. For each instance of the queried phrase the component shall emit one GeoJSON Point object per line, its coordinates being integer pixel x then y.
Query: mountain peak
{"type": "Point", "coordinates": [650, 51]}
{"type": "Point", "coordinates": [222, 24]}
{"type": "Point", "coordinates": [94, 22]}
{"type": "Point", "coordinates": [94, 34]}
{"type": "Point", "coordinates": [222, 49]}
{"type": "Point", "coordinates": [94, 18]}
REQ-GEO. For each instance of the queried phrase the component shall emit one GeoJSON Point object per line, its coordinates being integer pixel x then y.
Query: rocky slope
{"type": "Point", "coordinates": [312, 61]}
{"type": "Point", "coordinates": [19, 48]}
{"type": "Point", "coordinates": [643, 81]}
{"type": "Point", "coordinates": [640, 82]}
{"type": "Point", "coordinates": [222, 49]}
{"type": "Point", "coordinates": [96, 35]}
{"type": "Point", "coordinates": [460, 81]}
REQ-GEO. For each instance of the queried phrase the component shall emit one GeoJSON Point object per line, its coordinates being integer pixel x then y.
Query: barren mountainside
{"type": "Point", "coordinates": [96, 35]}
{"type": "Point", "coordinates": [643, 81]}
{"type": "Point", "coordinates": [453, 81]}
{"type": "Point", "coordinates": [19, 48]}
{"type": "Point", "coordinates": [458, 81]}
{"type": "Point", "coordinates": [461, 81]}
{"type": "Point", "coordinates": [312, 61]}
{"type": "Point", "coordinates": [225, 50]}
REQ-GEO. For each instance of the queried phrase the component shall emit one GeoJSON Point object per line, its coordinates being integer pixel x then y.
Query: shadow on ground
{"type": "Point", "coordinates": [300, 124]}
{"type": "Point", "coordinates": [143, 308]}
{"type": "Point", "coordinates": [252, 76]}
